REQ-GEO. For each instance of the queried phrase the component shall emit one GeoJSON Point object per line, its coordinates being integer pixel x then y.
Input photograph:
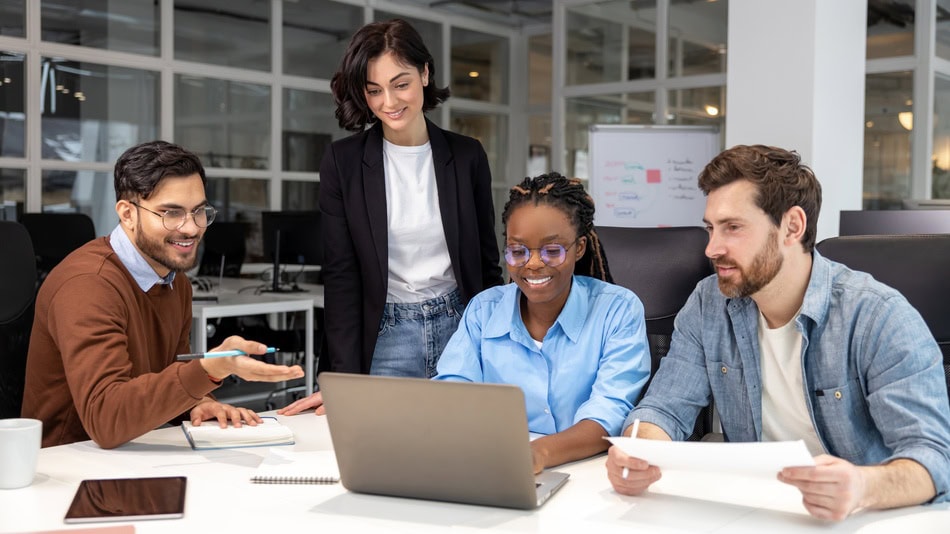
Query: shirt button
{"type": "Point", "coordinates": [547, 411]}
{"type": "Point", "coordinates": [724, 370]}
{"type": "Point", "coordinates": [838, 395]}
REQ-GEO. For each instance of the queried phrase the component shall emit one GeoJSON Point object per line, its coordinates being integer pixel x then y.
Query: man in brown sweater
{"type": "Point", "coordinates": [112, 316]}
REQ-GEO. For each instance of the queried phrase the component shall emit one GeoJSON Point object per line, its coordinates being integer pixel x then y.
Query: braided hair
{"type": "Point", "coordinates": [569, 196]}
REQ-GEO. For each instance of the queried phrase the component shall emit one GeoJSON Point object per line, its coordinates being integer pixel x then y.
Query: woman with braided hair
{"type": "Point", "coordinates": [574, 343]}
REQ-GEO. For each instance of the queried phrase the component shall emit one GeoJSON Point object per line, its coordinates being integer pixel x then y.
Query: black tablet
{"type": "Point", "coordinates": [128, 499]}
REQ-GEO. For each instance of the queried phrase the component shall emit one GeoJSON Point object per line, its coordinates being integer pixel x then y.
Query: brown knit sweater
{"type": "Point", "coordinates": [101, 363]}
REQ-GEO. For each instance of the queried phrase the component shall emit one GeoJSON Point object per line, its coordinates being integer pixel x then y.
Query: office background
{"type": "Point", "coordinates": [245, 84]}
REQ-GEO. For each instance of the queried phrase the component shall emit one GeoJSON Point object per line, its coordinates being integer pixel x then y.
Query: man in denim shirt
{"type": "Point", "coordinates": [791, 345]}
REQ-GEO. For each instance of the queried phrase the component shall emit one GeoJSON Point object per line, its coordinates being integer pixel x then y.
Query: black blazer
{"type": "Point", "coordinates": [356, 252]}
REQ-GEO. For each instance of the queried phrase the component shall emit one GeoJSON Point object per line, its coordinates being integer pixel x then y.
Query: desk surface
{"type": "Point", "coordinates": [220, 498]}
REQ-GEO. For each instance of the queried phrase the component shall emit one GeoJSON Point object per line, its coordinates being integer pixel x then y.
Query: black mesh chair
{"type": "Point", "coordinates": [662, 266]}
{"type": "Point", "coordinates": [223, 240]}
{"type": "Point", "coordinates": [17, 294]}
{"type": "Point", "coordinates": [55, 235]}
{"type": "Point", "coordinates": [916, 265]}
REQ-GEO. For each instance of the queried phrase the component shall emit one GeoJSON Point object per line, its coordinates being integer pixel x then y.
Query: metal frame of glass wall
{"type": "Point", "coordinates": [183, 81]}
{"type": "Point", "coordinates": [644, 80]}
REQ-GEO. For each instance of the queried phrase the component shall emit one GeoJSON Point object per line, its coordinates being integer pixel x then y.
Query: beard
{"type": "Point", "coordinates": [765, 266]}
{"type": "Point", "coordinates": [155, 249]}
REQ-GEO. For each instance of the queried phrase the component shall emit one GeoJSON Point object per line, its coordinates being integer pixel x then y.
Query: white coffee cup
{"type": "Point", "coordinates": [19, 447]}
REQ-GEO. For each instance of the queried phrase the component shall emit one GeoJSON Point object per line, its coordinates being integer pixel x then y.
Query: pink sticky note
{"type": "Point", "coordinates": [653, 176]}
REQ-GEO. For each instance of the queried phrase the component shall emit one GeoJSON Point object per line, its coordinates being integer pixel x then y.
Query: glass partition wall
{"type": "Point", "coordinates": [243, 83]}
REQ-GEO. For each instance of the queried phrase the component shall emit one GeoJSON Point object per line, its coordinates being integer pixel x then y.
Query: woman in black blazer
{"type": "Point", "coordinates": [406, 213]}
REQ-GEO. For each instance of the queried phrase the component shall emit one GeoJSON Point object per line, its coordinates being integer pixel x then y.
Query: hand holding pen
{"type": "Point", "coordinates": [225, 360]}
{"type": "Point", "coordinates": [629, 475]}
{"type": "Point", "coordinates": [219, 354]}
{"type": "Point", "coordinates": [633, 435]}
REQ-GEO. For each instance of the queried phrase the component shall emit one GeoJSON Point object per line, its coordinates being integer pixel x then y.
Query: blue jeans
{"type": "Point", "coordinates": [411, 336]}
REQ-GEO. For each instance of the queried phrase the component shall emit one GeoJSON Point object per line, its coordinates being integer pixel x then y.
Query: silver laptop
{"type": "Point", "coordinates": [444, 441]}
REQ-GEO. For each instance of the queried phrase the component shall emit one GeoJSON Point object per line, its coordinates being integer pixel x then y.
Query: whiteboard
{"type": "Point", "coordinates": [646, 175]}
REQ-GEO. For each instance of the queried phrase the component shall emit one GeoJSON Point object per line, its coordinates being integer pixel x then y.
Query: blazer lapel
{"type": "Point", "coordinates": [447, 185]}
{"type": "Point", "coordinates": [374, 187]}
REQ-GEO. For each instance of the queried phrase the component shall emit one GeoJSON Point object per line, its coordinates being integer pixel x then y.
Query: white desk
{"type": "Point", "coordinates": [237, 297]}
{"type": "Point", "coordinates": [220, 498]}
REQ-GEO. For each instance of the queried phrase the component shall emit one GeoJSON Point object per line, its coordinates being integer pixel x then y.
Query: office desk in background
{"type": "Point", "coordinates": [237, 297]}
{"type": "Point", "coordinates": [221, 498]}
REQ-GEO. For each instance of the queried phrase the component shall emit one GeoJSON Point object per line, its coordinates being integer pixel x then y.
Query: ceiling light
{"type": "Point", "coordinates": [906, 118]}
{"type": "Point", "coordinates": [473, 74]}
{"type": "Point", "coordinates": [712, 111]}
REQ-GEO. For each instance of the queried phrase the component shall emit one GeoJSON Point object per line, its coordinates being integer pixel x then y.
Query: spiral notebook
{"type": "Point", "coordinates": [295, 467]}
{"type": "Point", "coordinates": [211, 436]}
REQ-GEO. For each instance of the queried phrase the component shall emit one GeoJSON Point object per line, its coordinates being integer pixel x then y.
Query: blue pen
{"type": "Point", "coordinates": [220, 354]}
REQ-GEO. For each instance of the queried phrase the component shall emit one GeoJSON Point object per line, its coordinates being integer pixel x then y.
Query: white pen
{"type": "Point", "coordinates": [633, 434]}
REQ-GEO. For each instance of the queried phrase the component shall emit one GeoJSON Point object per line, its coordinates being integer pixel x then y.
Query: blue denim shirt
{"type": "Point", "coordinates": [872, 372]}
{"type": "Point", "coordinates": [592, 364]}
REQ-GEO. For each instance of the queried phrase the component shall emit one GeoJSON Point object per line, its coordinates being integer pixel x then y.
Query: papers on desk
{"type": "Point", "coordinates": [765, 458]}
{"type": "Point", "coordinates": [211, 436]}
{"type": "Point", "coordinates": [293, 467]}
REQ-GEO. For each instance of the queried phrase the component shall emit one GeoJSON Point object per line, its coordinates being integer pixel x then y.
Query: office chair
{"type": "Point", "coordinates": [915, 265]}
{"type": "Point", "coordinates": [55, 235]}
{"type": "Point", "coordinates": [223, 240]}
{"type": "Point", "coordinates": [662, 266]}
{"type": "Point", "coordinates": [17, 295]}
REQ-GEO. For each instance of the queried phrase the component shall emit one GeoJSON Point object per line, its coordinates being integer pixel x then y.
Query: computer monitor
{"type": "Point", "coordinates": [894, 222]}
{"type": "Point", "coordinates": [291, 238]}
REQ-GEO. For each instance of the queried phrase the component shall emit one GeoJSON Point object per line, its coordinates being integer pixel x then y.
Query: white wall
{"type": "Point", "coordinates": [796, 80]}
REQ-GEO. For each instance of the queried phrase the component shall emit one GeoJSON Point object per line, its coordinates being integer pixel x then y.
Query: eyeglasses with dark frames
{"type": "Point", "coordinates": [552, 254]}
{"type": "Point", "coordinates": [174, 219]}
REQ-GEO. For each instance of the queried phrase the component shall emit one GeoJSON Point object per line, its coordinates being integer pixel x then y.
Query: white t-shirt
{"type": "Point", "coordinates": [419, 263]}
{"type": "Point", "coordinates": [785, 416]}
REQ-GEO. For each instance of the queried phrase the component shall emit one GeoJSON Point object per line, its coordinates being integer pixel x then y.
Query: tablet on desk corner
{"type": "Point", "coordinates": [128, 499]}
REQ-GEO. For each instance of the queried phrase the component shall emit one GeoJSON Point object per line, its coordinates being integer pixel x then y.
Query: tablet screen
{"type": "Point", "coordinates": [124, 499]}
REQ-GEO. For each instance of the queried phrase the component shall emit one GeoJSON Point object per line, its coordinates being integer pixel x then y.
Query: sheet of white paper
{"type": "Point", "coordinates": [755, 458]}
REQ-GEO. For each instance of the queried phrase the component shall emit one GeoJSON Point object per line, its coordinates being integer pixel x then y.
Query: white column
{"type": "Point", "coordinates": [796, 80]}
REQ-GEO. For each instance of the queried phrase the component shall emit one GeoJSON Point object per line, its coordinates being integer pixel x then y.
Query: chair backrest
{"type": "Point", "coordinates": [916, 265]}
{"type": "Point", "coordinates": [17, 294]}
{"type": "Point", "coordinates": [662, 266]}
{"type": "Point", "coordinates": [55, 235]}
{"type": "Point", "coordinates": [227, 240]}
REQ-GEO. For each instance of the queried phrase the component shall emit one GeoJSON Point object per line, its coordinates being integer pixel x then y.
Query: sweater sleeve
{"type": "Point", "coordinates": [119, 394]}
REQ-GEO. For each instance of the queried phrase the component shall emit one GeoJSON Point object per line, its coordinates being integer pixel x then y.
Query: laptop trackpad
{"type": "Point", "coordinates": [547, 483]}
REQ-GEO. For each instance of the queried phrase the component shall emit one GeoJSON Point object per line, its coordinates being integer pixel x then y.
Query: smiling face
{"type": "Point", "coordinates": [743, 240]}
{"type": "Point", "coordinates": [535, 226]}
{"type": "Point", "coordinates": [166, 250]}
{"type": "Point", "coordinates": [394, 93]}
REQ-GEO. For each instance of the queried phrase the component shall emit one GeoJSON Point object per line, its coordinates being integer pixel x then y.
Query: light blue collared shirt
{"type": "Point", "coordinates": [592, 364]}
{"type": "Point", "coordinates": [871, 371]}
{"type": "Point", "coordinates": [143, 273]}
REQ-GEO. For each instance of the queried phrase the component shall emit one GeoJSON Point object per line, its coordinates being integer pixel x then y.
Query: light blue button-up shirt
{"type": "Point", "coordinates": [872, 372]}
{"type": "Point", "coordinates": [143, 273]}
{"type": "Point", "coordinates": [593, 362]}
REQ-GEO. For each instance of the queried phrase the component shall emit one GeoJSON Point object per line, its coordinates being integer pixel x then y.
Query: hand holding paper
{"type": "Point", "coordinates": [756, 458]}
